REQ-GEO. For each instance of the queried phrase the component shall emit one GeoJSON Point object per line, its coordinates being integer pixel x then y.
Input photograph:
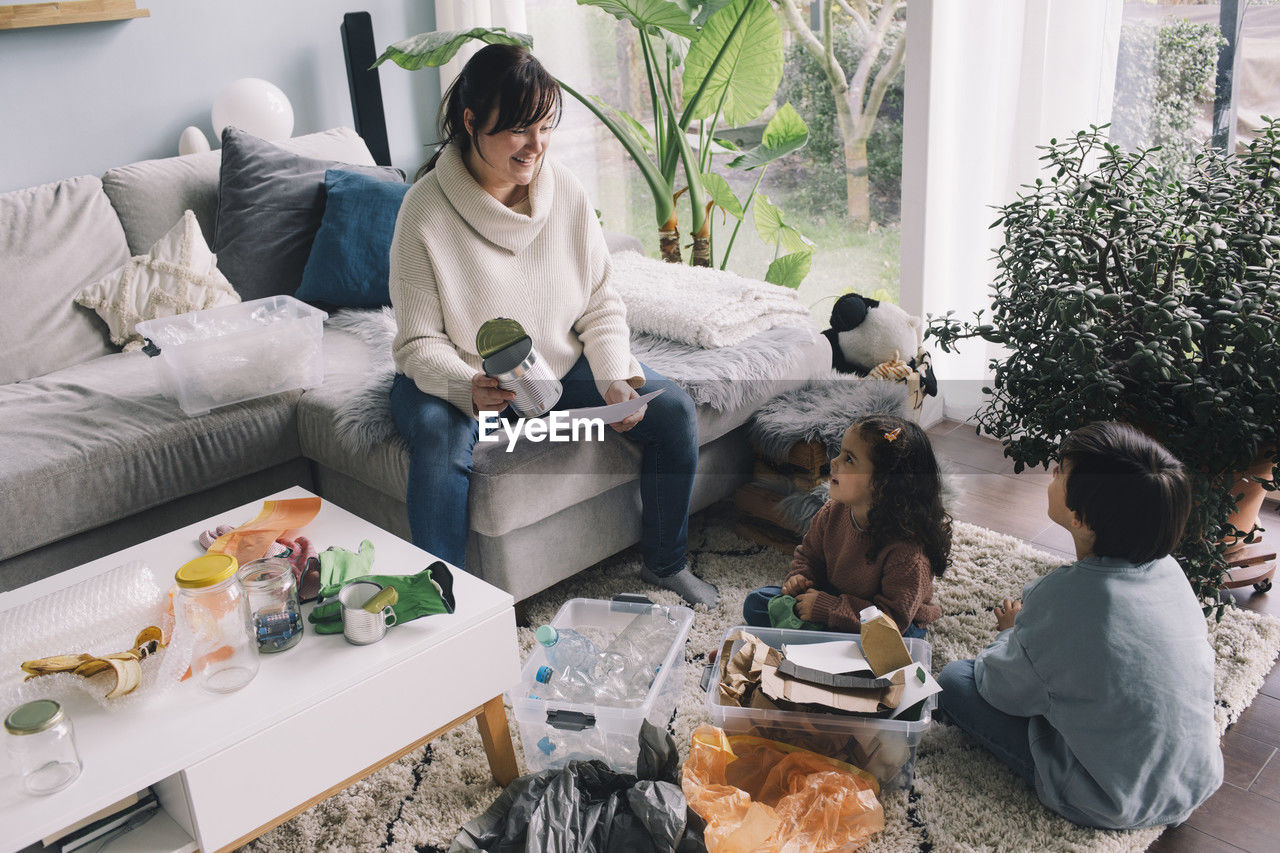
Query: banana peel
{"type": "Point", "coordinates": [126, 665]}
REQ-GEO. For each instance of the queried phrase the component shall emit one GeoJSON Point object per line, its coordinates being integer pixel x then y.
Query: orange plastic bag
{"type": "Point", "coordinates": [253, 539]}
{"type": "Point", "coordinates": [761, 796]}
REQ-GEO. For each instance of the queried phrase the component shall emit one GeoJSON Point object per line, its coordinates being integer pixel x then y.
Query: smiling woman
{"type": "Point", "coordinates": [477, 239]}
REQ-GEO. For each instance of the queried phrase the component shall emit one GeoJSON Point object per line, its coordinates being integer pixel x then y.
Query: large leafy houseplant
{"type": "Point", "coordinates": [731, 55]}
{"type": "Point", "coordinates": [1122, 295]}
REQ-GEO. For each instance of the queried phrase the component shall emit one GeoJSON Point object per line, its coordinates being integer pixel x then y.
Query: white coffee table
{"type": "Point", "coordinates": [317, 718]}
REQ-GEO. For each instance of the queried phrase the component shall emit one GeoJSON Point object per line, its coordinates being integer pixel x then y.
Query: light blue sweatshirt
{"type": "Point", "coordinates": [1112, 663]}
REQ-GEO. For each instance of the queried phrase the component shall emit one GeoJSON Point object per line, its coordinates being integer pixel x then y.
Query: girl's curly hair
{"type": "Point", "coordinates": [906, 489]}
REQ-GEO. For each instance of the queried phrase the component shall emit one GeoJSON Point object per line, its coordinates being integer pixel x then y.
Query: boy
{"type": "Point", "coordinates": [1100, 691]}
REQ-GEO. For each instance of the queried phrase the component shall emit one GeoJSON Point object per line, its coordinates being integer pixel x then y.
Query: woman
{"type": "Point", "coordinates": [491, 230]}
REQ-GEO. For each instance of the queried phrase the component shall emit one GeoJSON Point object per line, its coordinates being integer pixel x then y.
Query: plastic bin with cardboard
{"type": "Point", "coordinates": [231, 353]}
{"type": "Point", "coordinates": [884, 747]}
{"type": "Point", "coordinates": [554, 732]}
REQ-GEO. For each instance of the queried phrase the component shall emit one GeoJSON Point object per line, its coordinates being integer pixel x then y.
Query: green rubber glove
{"type": "Point", "coordinates": [782, 614]}
{"type": "Point", "coordinates": [338, 565]}
{"type": "Point", "coordinates": [427, 593]}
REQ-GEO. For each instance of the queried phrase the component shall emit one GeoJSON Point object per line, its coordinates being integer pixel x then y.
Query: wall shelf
{"type": "Point", "coordinates": [22, 15]}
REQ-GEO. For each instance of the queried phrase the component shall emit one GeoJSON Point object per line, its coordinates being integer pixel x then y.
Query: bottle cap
{"type": "Point", "coordinates": [547, 635]}
{"type": "Point", "coordinates": [543, 675]}
{"type": "Point", "coordinates": [33, 717]}
{"type": "Point", "coordinates": [546, 746]}
{"type": "Point", "coordinates": [206, 571]}
{"type": "Point", "coordinates": [868, 613]}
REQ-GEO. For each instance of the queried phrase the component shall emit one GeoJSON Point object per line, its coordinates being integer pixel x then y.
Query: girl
{"type": "Point", "coordinates": [879, 540]}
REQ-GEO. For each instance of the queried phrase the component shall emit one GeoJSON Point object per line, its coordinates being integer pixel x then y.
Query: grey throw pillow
{"type": "Point", "coordinates": [270, 203]}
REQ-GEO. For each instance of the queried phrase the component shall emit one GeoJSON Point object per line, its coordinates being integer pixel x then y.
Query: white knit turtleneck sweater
{"type": "Point", "coordinates": [459, 258]}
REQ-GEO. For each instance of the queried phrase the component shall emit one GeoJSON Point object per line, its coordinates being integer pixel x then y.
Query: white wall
{"type": "Point", "coordinates": [83, 98]}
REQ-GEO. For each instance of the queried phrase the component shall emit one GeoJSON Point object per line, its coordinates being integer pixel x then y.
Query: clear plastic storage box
{"type": "Point", "coordinates": [554, 732]}
{"type": "Point", "coordinates": [883, 747]}
{"type": "Point", "coordinates": [231, 353]}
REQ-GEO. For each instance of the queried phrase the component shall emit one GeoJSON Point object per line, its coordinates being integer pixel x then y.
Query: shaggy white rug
{"type": "Point", "coordinates": [963, 799]}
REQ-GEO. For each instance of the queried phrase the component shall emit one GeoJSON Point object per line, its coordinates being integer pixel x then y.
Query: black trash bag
{"type": "Point", "coordinates": [588, 808]}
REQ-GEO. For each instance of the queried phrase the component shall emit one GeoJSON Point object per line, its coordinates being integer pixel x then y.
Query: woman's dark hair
{"type": "Point", "coordinates": [1132, 493]}
{"type": "Point", "coordinates": [503, 76]}
{"type": "Point", "coordinates": [906, 490]}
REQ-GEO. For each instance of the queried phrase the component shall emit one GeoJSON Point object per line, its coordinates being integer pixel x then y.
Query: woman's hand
{"type": "Point", "coordinates": [1006, 613]}
{"type": "Point", "coordinates": [805, 605]}
{"type": "Point", "coordinates": [486, 396]}
{"type": "Point", "coordinates": [796, 584]}
{"type": "Point", "coordinates": [620, 392]}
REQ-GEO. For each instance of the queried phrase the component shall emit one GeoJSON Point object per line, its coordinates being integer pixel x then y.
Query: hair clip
{"type": "Point", "coordinates": [892, 434]}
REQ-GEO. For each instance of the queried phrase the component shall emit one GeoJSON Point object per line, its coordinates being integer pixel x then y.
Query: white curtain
{"type": "Point", "coordinates": [987, 81]}
{"type": "Point", "coordinates": [465, 14]}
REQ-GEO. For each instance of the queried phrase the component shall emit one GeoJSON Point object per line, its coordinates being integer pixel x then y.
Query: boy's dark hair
{"type": "Point", "coordinates": [1132, 493]}
{"type": "Point", "coordinates": [906, 490]}
{"type": "Point", "coordinates": [505, 76]}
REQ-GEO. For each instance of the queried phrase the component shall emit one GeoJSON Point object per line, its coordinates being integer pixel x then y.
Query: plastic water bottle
{"type": "Point", "coordinates": [568, 649]}
{"type": "Point", "coordinates": [561, 747]}
{"type": "Point", "coordinates": [632, 660]}
{"type": "Point", "coordinates": [567, 686]}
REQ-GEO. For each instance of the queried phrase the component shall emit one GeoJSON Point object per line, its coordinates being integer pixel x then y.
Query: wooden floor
{"type": "Point", "coordinates": [1245, 812]}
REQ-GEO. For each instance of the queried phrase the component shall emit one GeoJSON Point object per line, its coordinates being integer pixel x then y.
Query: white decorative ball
{"type": "Point", "coordinates": [255, 106]}
{"type": "Point", "coordinates": [192, 141]}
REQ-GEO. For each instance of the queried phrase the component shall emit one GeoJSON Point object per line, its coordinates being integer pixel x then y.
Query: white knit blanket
{"type": "Point", "coordinates": [701, 306]}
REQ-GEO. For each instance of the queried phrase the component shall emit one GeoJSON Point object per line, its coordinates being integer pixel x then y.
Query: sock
{"type": "Point", "coordinates": [686, 584]}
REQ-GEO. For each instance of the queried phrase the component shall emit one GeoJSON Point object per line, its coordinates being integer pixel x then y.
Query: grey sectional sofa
{"type": "Point", "coordinates": [94, 457]}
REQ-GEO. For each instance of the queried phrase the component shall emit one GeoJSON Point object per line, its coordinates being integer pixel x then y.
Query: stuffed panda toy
{"type": "Point", "coordinates": [871, 337]}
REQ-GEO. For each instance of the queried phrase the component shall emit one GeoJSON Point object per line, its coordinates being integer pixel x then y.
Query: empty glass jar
{"type": "Point", "coordinates": [43, 746]}
{"type": "Point", "coordinates": [273, 603]}
{"type": "Point", "coordinates": [215, 607]}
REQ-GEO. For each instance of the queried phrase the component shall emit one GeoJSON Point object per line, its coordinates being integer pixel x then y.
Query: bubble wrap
{"type": "Point", "coordinates": [99, 616]}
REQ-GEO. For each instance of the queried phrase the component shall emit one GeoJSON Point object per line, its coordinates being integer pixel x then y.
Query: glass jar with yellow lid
{"type": "Point", "coordinates": [215, 608]}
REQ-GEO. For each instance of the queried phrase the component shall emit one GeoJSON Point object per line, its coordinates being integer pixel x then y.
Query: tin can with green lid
{"type": "Point", "coordinates": [42, 744]}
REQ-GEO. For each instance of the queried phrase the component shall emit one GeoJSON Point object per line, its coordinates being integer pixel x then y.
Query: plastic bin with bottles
{"type": "Point", "coordinates": [231, 353]}
{"type": "Point", "coordinates": [886, 748]}
{"type": "Point", "coordinates": [554, 731]}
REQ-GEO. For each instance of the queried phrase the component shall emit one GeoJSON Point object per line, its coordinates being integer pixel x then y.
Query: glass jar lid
{"type": "Point", "coordinates": [33, 717]}
{"type": "Point", "coordinates": [206, 571]}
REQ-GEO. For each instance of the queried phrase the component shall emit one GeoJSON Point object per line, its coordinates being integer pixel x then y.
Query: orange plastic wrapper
{"type": "Point", "coordinates": [761, 796]}
{"type": "Point", "coordinates": [250, 541]}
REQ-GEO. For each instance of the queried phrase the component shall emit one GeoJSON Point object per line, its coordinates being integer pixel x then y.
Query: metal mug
{"type": "Point", "coordinates": [518, 368]}
{"type": "Point", "coordinates": [359, 626]}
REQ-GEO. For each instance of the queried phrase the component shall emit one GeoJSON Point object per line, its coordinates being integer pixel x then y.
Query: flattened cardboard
{"type": "Point", "coordinates": [877, 700]}
{"type": "Point", "coordinates": [842, 681]}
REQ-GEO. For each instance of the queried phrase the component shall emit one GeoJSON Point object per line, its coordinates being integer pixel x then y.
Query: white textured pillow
{"type": "Point", "coordinates": [178, 275]}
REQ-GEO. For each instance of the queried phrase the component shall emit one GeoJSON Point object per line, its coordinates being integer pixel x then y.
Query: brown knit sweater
{"type": "Point", "coordinates": [833, 555]}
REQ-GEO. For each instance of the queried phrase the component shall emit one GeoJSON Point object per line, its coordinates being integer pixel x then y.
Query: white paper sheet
{"type": "Point", "coordinates": [919, 685]}
{"type": "Point", "coordinates": [611, 414]}
{"type": "Point", "coordinates": [834, 658]}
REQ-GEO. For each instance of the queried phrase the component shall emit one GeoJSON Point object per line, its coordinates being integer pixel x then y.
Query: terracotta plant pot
{"type": "Point", "coordinates": [1251, 496]}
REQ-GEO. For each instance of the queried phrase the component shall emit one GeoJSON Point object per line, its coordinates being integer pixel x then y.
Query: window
{"type": "Point", "coordinates": [600, 55]}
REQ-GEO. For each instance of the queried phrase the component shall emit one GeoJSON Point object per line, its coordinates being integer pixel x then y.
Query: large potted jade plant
{"type": "Point", "coordinates": [1120, 295]}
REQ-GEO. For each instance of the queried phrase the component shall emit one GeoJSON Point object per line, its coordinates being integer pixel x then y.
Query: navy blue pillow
{"type": "Point", "coordinates": [350, 259]}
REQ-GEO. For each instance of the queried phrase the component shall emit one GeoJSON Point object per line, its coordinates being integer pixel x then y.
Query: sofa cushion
{"type": "Point", "coordinates": [98, 441]}
{"type": "Point", "coordinates": [502, 483]}
{"type": "Point", "coordinates": [150, 195]}
{"type": "Point", "coordinates": [54, 240]}
{"type": "Point", "coordinates": [177, 275]}
{"type": "Point", "coordinates": [270, 203]}
{"type": "Point", "coordinates": [350, 260]}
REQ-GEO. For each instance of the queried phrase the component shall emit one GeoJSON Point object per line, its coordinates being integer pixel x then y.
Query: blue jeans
{"type": "Point", "coordinates": [441, 441]}
{"type": "Point", "coordinates": [1004, 735]}
{"type": "Point", "coordinates": [755, 611]}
